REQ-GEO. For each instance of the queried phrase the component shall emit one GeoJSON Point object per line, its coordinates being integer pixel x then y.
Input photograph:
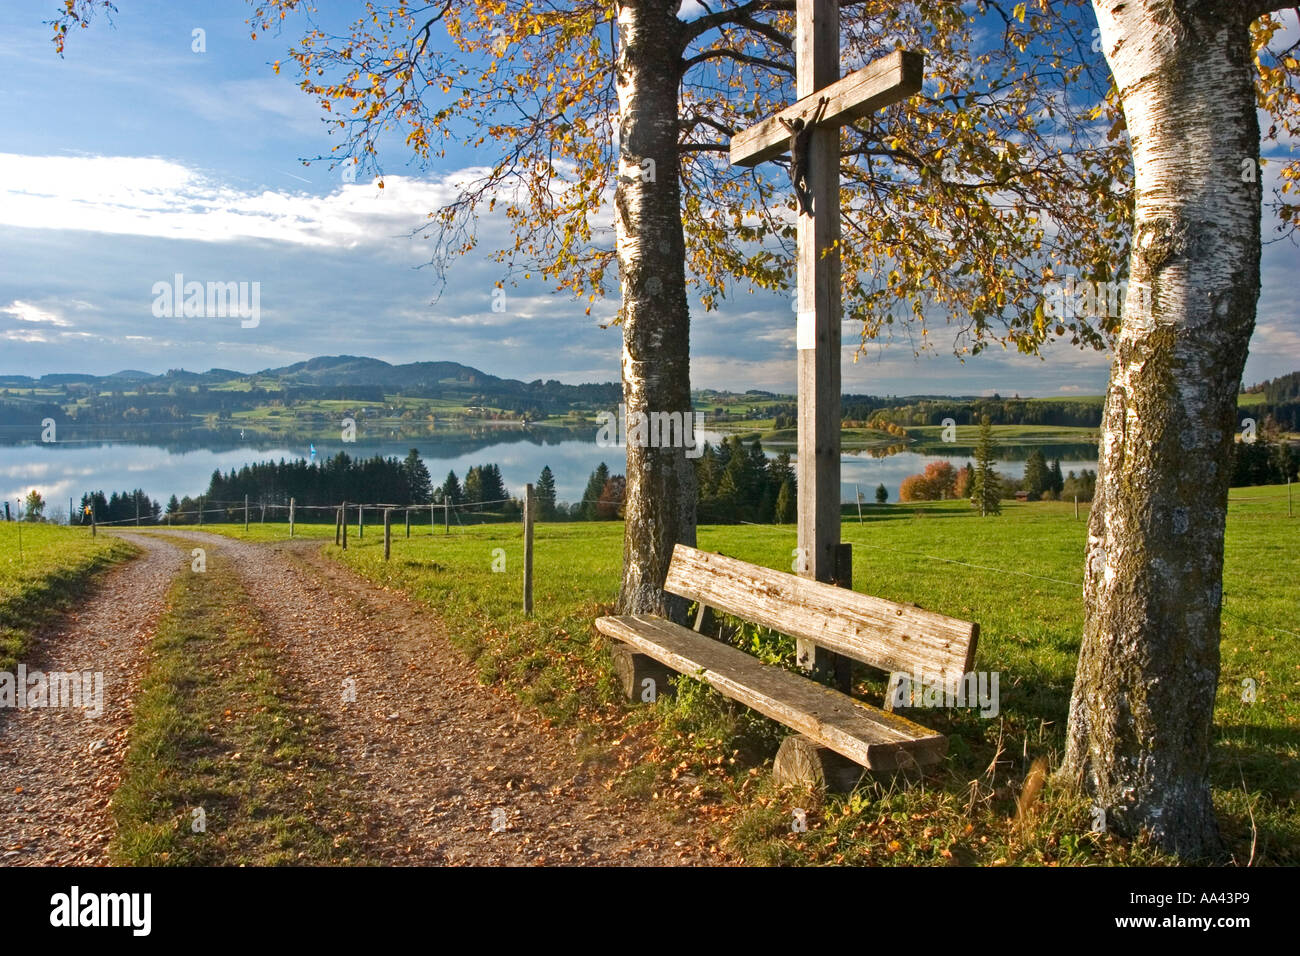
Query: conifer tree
{"type": "Point", "coordinates": [785, 513]}
{"type": "Point", "coordinates": [545, 492]}
{"type": "Point", "coordinates": [1037, 477]}
{"type": "Point", "coordinates": [451, 490]}
{"type": "Point", "coordinates": [595, 487]}
{"type": "Point", "coordinates": [985, 489]}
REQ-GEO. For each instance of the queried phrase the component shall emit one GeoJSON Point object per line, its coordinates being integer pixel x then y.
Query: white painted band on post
{"type": "Point", "coordinates": [806, 331]}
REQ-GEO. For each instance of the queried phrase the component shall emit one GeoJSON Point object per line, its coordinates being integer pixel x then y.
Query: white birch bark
{"type": "Point", "coordinates": [1141, 715]}
{"type": "Point", "coordinates": [660, 502]}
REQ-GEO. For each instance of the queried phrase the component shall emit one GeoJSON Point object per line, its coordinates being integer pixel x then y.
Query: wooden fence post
{"type": "Point", "coordinates": [94, 528]}
{"type": "Point", "coordinates": [431, 519]}
{"type": "Point", "coordinates": [343, 517]}
{"type": "Point", "coordinates": [408, 522]}
{"type": "Point", "coordinates": [361, 521]}
{"type": "Point", "coordinates": [446, 517]}
{"type": "Point", "coordinates": [137, 512]}
{"type": "Point", "coordinates": [245, 512]}
{"type": "Point", "coordinates": [338, 524]}
{"type": "Point", "coordinates": [292, 503]}
{"type": "Point", "coordinates": [529, 505]}
{"type": "Point", "coordinates": [388, 532]}
{"type": "Point", "coordinates": [1076, 507]}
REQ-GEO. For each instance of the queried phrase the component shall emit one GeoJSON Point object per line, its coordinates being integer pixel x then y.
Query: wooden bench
{"type": "Point", "coordinates": [837, 735]}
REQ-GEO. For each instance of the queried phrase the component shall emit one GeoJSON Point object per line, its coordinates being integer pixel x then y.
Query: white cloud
{"type": "Point", "coordinates": [156, 197]}
{"type": "Point", "coordinates": [23, 335]}
{"type": "Point", "coordinates": [1275, 339]}
{"type": "Point", "coordinates": [26, 312]}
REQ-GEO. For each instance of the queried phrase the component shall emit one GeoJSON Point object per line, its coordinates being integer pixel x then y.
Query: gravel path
{"type": "Point", "coordinates": [58, 766]}
{"type": "Point", "coordinates": [454, 772]}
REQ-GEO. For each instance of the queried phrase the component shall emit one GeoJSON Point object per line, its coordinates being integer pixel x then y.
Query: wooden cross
{"type": "Point", "coordinates": [826, 102]}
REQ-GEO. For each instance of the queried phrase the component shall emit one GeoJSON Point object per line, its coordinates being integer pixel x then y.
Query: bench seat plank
{"type": "Point", "coordinates": [866, 735]}
{"type": "Point", "coordinates": [884, 634]}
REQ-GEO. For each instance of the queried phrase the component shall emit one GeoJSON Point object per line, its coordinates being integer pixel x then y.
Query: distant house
{"type": "Point", "coordinates": [1022, 496]}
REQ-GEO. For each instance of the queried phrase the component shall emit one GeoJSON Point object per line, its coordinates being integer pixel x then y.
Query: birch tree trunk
{"type": "Point", "coordinates": [660, 499]}
{"type": "Point", "coordinates": [1141, 716]}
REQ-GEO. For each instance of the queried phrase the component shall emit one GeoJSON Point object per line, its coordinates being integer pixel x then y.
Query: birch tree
{"type": "Point", "coordinates": [1190, 75]}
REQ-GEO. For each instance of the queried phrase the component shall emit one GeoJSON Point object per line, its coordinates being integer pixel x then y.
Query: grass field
{"type": "Point", "coordinates": [1013, 434]}
{"type": "Point", "coordinates": [1018, 575]}
{"type": "Point", "coordinates": [215, 730]}
{"type": "Point", "coordinates": [43, 569]}
{"type": "Point", "coordinates": [850, 437]}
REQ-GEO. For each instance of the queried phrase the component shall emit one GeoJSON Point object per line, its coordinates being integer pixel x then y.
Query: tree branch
{"type": "Point", "coordinates": [739, 57]}
{"type": "Point", "coordinates": [711, 21]}
{"type": "Point", "coordinates": [696, 119]}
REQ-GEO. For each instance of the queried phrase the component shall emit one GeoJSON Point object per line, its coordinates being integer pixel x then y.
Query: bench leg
{"type": "Point", "coordinates": [898, 692]}
{"type": "Point", "coordinates": [643, 678]}
{"type": "Point", "coordinates": [802, 762]}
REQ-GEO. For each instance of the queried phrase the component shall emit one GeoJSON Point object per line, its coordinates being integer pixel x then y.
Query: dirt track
{"type": "Point", "coordinates": [452, 772]}
{"type": "Point", "coordinates": [59, 767]}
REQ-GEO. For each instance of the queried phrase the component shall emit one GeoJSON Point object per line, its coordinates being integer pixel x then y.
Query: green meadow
{"type": "Point", "coordinates": [44, 568]}
{"type": "Point", "coordinates": [707, 760]}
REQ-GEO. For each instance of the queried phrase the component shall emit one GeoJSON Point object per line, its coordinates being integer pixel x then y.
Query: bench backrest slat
{"type": "Point", "coordinates": [884, 634]}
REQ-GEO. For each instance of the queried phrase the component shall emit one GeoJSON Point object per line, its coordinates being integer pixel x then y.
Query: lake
{"type": "Point", "coordinates": [64, 470]}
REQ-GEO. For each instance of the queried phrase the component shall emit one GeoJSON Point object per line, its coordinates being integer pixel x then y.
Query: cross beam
{"type": "Point", "coordinates": [879, 84]}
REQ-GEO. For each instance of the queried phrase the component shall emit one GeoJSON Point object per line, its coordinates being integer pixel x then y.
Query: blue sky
{"type": "Point", "coordinates": [135, 159]}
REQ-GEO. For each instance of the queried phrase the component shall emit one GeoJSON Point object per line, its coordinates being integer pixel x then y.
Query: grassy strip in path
{"type": "Point", "coordinates": [45, 577]}
{"type": "Point", "coordinates": [216, 729]}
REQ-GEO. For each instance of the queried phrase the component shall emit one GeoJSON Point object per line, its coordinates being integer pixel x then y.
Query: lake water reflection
{"type": "Point", "coordinates": [64, 470]}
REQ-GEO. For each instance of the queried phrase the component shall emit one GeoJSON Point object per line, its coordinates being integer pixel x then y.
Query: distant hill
{"type": "Point", "coordinates": [338, 370]}
{"type": "Point", "coordinates": [358, 378]}
{"type": "Point", "coordinates": [127, 378]}
{"type": "Point", "coordinates": [348, 377]}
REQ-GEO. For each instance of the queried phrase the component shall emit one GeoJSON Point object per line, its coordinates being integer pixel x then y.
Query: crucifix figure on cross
{"type": "Point", "coordinates": [801, 131]}
{"type": "Point", "coordinates": [810, 130]}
